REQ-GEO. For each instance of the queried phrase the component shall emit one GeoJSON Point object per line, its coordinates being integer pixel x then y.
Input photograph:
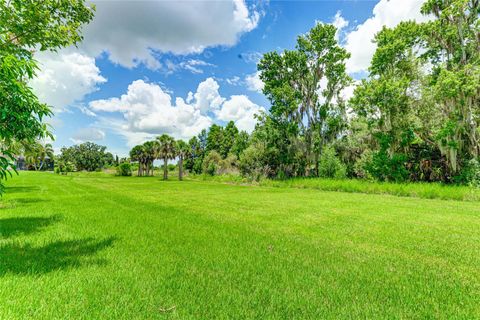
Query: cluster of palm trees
{"type": "Point", "coordinates": [35, 154]}
{"type": "Point", "coordinates": [164, 148]}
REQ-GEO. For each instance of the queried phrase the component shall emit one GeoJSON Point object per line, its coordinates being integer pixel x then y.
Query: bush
{"type": "Point", "coordinates": [385, 166]}
{"type": "Point", "coordinates": [228, 165]}
{"type": "Point", "coordinates": [250, 163]}
{"type": "Point", "coordinates": [360, 168]}
{"type": "Point", "coordinates": [471, 173]}
{"type": "Point", "coordinates": [197, 166]}
{"type": "Point", "coordinates": [124, 169]}
{"type": "Point", "coordinates": [63, 167]}
{"type": "Point", "coordinates": [330, 165]}
{"type": "Point", "coordinates": [211, 163]}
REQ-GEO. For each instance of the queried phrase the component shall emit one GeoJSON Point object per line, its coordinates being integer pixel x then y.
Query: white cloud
{"type": "Point", "coordinates": [132, 32]}
{"type": "Point", "coordinates": [234, 81]}
{"type": "Point", "coordinates": [65, 78]}
{"type": "Point", "coordinates": [386, 13]}
{"type": "Point", "coordinates": [149, 111]}
{"type": "Point", "coordinates": [87, 111]}
{"type": "Point", "coordinates": [121, 127]}
{"type": "Point", "coordinates": [340, 23]}
{"type": "Point", "coordinates": [253, 82]}
{"type": "Point", "coordinates": [88, 134]}
{"type": "Point", "coordinates": [240, 110]}
{"type": "Point", "coordinates": [193, 65]}
{"type": "Point", "coordinates": [348, 91]}
{"type": "Point", "coordinates": [207, 96]}
{"type": "Point", "coordinates": [251, 57]}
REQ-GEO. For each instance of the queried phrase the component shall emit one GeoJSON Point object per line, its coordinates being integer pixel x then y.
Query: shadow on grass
{"type": "Point", "coordinates": [27, 200]}
{"type": "Point", "coordinates": [58, 255]}
{"type": "Point", "coordinates": [29, 189]}
{"type": "Point", "coordinates": [10, 227]}
{"type": "Point", "coordinates": [12, 203]}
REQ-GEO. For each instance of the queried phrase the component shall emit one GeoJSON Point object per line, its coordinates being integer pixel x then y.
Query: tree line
{"type": "Point", "coordinates": [215, 151]}
{"type": "Point", "coordinates": [416, 117]}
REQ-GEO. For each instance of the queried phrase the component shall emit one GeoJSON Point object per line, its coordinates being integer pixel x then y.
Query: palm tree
{"type": "Point", "coordinates": [149, 153]}
{"type": "Point", "coordinates": [36, 154]}
{"type": "Point", "coordinates": [166, 151]}
{"type": "Point", "coordinates": [182, 150]}
{"type": "Point", "coordinates": [136, 154]}
{"type": "Point", "coordinates": [44, 151]}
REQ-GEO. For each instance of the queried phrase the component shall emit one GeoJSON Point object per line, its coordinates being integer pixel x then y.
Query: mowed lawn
{"type": "Point", "coordinates": [104, 247]}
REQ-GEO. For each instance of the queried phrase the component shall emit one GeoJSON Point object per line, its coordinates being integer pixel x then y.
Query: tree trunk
{"type": "Point", "coordinates": [165, 168]}
{"type": "Point", "coordinates": [180, 168]}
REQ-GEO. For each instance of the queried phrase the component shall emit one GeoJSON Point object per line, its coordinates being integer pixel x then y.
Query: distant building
{"type": "Point", "coordinates": [21, 164]}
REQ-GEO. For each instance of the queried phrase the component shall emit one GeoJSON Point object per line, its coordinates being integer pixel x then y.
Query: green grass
{"type": "Point", "coordinates": [416, 190]}
{"type": "Point", "coordinates": [105, 247]}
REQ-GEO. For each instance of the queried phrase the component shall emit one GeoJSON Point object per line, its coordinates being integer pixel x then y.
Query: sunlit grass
{"type": "Point", "coordinates": [93, 246]}
{"type": "Point", "coordinates": [417, 190]}
{"type": "Point", "coordinates": [420, 190]}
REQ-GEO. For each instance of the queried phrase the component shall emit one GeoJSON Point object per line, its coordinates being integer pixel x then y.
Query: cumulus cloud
{"type": "Point", "coordinates": [121, 127]}
{"type": "Point", "coordinates": [132, 33]}
{"type": "Point", "coordinates": [65, 78]}
{"type": "Point", "coordinates": [340, 23]}
{"type": "Point", "coordinates": [386, 13]}
{"type": "Point", "coordinates": [149, 111]}
{"type": "Point", "coordinates": [240, 110]}
{"type": "Point", "coordinates": [88, 134]}
{"type": "Point", "coordinates": [147, 108]}
{"type": "Point", "coordinates": [254, 83]}
{"type": "Point", "coordinates": [207, 96]}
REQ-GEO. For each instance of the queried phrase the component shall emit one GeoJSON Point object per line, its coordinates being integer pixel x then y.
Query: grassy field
{"type": "Point", "coordinates": [415, 190]}
{"type": "Point", "coordinates": [105, 247]}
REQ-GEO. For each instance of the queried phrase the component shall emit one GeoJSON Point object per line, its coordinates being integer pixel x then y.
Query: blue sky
{"type": "Point", "coordinates": [152, 67]}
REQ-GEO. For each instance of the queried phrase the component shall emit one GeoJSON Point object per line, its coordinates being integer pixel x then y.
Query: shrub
{"type": "Point", "coordinates": [228, 165]}
{"type": "Point", "coordinates": [330, 165]}
{"type": "Point", "coordinates": [385, 166]}
{"type": "Point", "coordinates": [471, 173]}
{"type": "Point", "coordinates": [197, 166]}
{"type": "Point", "coordinates": [124, 169]}
{"type": "Point", "coordinates": [250, 163]}
{"type": "Point", "coordinates": [360, 168]}
{"type": "Point", "coordinates": [63, 167]}
{"type": "Point", "coordinates": [211, 163]}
